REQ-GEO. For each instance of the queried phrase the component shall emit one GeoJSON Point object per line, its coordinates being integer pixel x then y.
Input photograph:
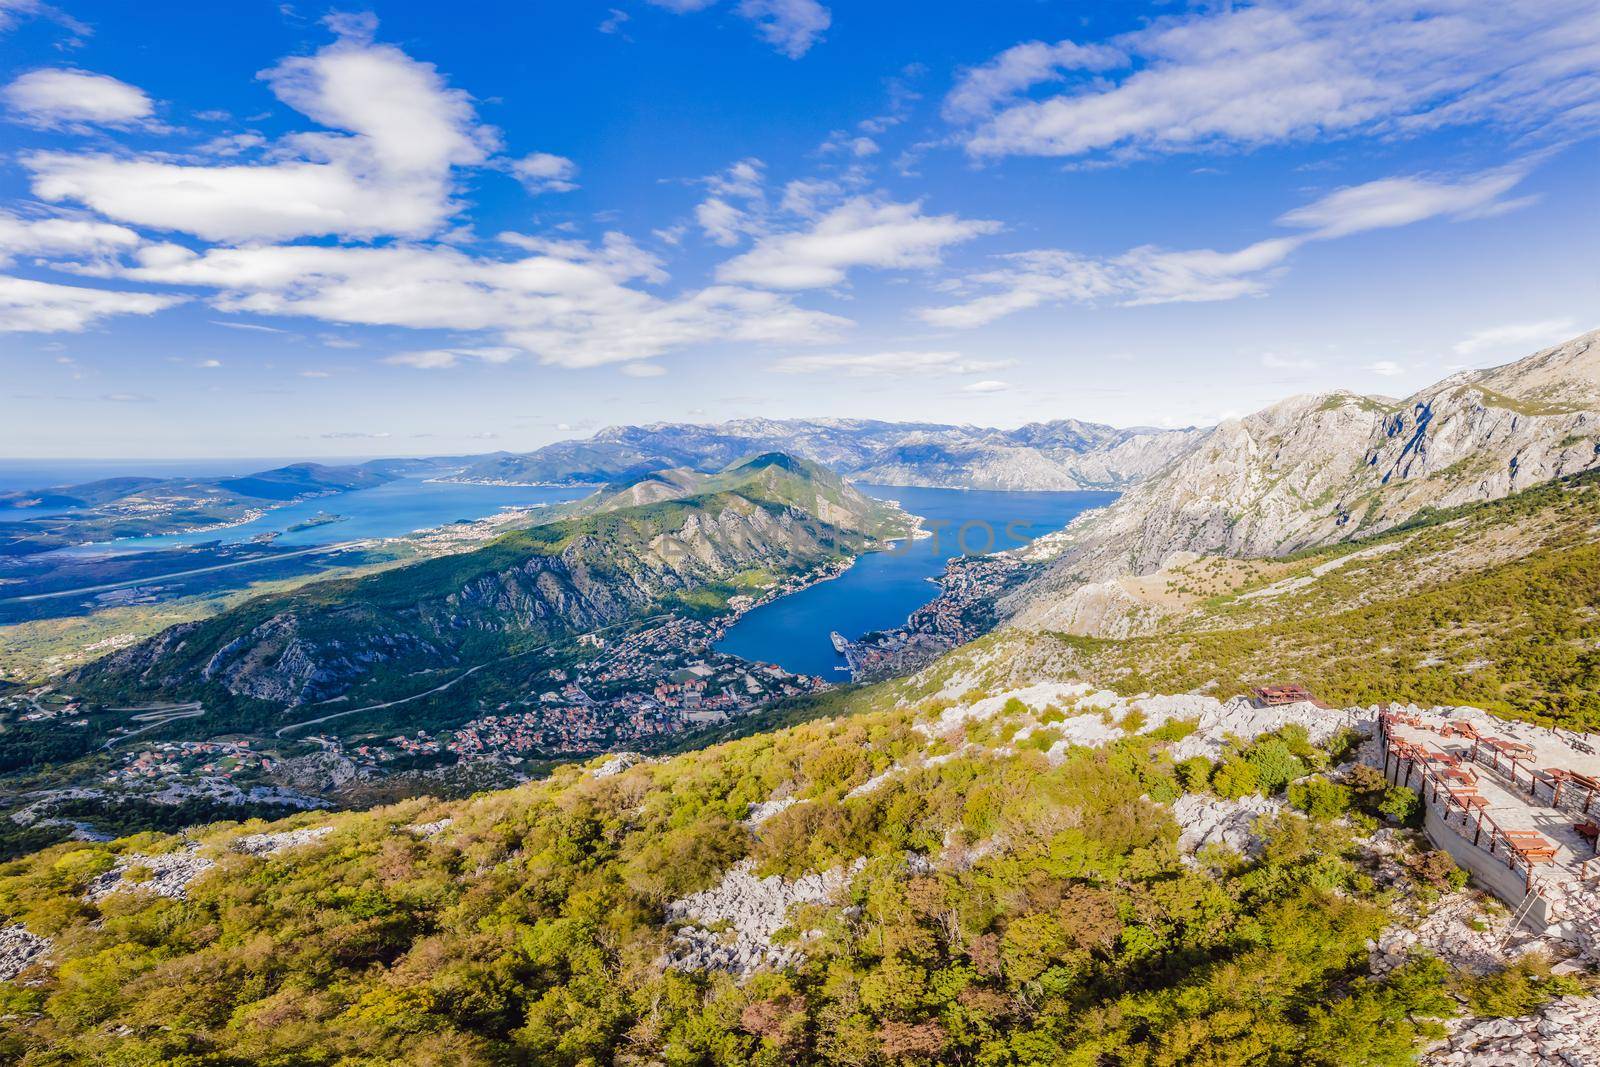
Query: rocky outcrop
{"type": "Point", "coordinates": [165, 874]}
{"type": "Point", "coordinates": [272, 844]}
{"type": "Point", "coordinates": [732, 924]}
{"type": "Point", "coordinates": [1313, 470]}
{"type": "Point", "coordinates": [615, 764]}
{"type": "Point", "coordinates": [1564, 1033]}
{"type": "Point", "coordinates": [19, 950]}
{"type": "Point", "coordinates": [1204, 820]}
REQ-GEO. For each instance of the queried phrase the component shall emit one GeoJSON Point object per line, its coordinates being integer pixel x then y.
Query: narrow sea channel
{"type": "Point", "coordinates": [883, 588]}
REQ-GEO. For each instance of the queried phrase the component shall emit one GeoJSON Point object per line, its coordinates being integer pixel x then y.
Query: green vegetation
{"type": "Point", "coordinates": [1494, 605]}
{"type": "Point", "coordinates": [533, 929]}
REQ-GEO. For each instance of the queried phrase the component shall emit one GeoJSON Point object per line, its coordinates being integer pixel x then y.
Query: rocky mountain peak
{"type": "Point", "coordinates": [1315, 469]}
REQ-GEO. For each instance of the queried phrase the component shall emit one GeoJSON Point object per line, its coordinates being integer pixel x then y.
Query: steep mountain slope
{"type": "Point", "coordinates": [1496, 605]}
{"type": "Point", "coordinates": [333, 639]}
{"type": "Point", "coordinates": [1316, 470]}
{"type": "Point", "coordinates": [1065, 454]}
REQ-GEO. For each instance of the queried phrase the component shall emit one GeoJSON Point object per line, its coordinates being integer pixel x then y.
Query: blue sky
{"type": "Point", "coordinates": [285, 229]}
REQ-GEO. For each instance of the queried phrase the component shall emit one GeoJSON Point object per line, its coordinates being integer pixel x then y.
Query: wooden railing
{"type": "Point", "coordinates": [1477, 825]}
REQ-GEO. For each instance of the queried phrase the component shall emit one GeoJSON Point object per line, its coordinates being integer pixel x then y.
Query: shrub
{"type": "Point", "coordinates": [1195, 774]}
{"type": "Point", "coordinates": [1519, 989]}
{"type": "Point", "coordinates": [1275, 763]}
{"type": "Point", "coordinates": [1401, 805]}
{"type": "Point", "coordinates": [1320, 798]}
{"type": "Point", "coordinates": [1235, 778]}
{"type": "Point", "coordinates": [1437, 870]}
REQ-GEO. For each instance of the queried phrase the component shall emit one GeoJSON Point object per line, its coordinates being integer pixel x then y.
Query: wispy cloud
{"type": "Point", "coordinates": [1293, 70]}
{"type": "Point", "coordinates": [1151, 275]}
{"type": "Point", "coordinates": [1515, 337]}
{"type": "Point", "coordinates": [859, 233]}
{"type": "Point", "coordinates": [440, 358]}
{"type": "Point", "coordinates": [888, 364]}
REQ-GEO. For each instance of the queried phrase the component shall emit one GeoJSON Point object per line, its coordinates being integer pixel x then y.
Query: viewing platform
{"type": "Point", "coordinates": [1517, 805]}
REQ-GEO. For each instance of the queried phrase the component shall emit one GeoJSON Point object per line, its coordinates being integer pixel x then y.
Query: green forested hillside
{"type": "Point", "coordinates": [1010, 908]}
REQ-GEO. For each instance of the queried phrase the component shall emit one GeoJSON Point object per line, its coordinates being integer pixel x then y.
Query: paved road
{"type": "Point", "coordinates": [154, 719]}
{"type": "Point", "coordinates": [406, 700]}
{"type": "Point", "coordinates": [178, 574]}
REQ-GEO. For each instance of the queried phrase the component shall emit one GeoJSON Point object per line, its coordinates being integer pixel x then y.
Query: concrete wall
{"type": "Point", "coordinates": [1488, 871]}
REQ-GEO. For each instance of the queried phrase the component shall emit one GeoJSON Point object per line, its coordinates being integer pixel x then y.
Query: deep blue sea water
{"type": "Point", "coordinates": [883, 588]}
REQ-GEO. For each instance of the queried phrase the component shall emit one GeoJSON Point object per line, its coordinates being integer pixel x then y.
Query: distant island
{"type": "Point", "coordinates": [321, 518]}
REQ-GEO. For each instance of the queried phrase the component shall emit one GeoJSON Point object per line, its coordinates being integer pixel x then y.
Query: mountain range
{"type": "Point", "coordinates": [1003, 858]}
{"type": "Point", "coordinates": [1060, 455]}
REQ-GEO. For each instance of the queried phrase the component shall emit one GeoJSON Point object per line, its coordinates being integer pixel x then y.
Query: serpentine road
{"type": "Point", "coordinates": [458, 678]}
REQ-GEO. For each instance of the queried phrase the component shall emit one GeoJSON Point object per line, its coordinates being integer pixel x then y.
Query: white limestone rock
{"type": "Point", "coordinates": [273, 843]}
{"type": "Point", "coordinates": [170, 874]}
{"type": "Point", "coordinates": [1205, 820]}
{"type": "Point", "coordinates": [19, 950]}
{"type": "Point", "coordinates": [616, 764]}
{"type": "Point", "coordinates": [747, 912]}
{"type": "Point", "coordinates": [1564, 1033]}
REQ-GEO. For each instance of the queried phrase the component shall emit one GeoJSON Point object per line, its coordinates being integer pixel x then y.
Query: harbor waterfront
{"type": "Point", "coordinates": [798, 632]}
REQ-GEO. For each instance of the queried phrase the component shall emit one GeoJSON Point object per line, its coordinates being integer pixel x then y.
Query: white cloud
{"type": "Point", "coordinates": [247, 326]}
{"type": "Point", "coordinates": [438, 358]}
{"type": "Point", "coordinates": [1245, 75]}
{"type": "Point", "coordinates": [721, 221]}
{"type": "Point", "coordinates": [1150, 275]}
{"type": "Point", "coordinates": [1019, 68]}
{"type": "Point", "coordinates": [97, 242]}
{"type": "Point", "coordinates": [1277, 361]}
{"type": "Point", "coordinates": [390, 174]}
{"type": "Point", "coordinates": [566, 302]}
{"type": "Point", "coordinates": [888, 364]}
{"type": "Point", "coordinates": [804, 196]}
{"type": "Point", "coordinates": [790, 26]}
{"type": "Point", "coordinates": [1386, 368]}
{"type": "Point", "coordinates": [989, 386]}
{"type": "Point", "coordinates": [1515, 337]}
{"type": "Point", "coordinates": [43, 307]}
{"type": "Point", "coordinates": [1401, 201]}
{"type": "Point", "coordinates": [643, 370]}
{"type": "Point", "coordinates": [209, 364]}
{"type": "Point", "coordinates": [542, 172]}
{"type": "Point", "coordinates": [859, 233]}
{"type": "Point", "coordinates": [742, 180]}
{"type": "Point", "coordinates": [56, 98]}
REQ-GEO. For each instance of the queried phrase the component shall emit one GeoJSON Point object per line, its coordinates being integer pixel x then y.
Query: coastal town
{"type": "Point", "coordinates": [626, 689]}
{"type": "Point", "coordinates": [963, 610]}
